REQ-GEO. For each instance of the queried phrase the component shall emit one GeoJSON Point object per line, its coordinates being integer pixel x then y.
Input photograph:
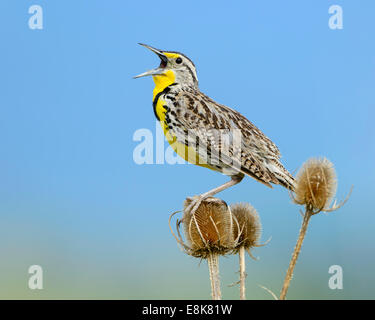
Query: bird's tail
{"type": "Point", "coordinates": [283, 177]}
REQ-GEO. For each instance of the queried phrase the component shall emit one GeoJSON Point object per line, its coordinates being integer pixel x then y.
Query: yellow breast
{"type": "Point", "coordinates": [185, 152]}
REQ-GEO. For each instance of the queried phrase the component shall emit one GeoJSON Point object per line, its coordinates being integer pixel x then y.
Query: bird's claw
{"type": "Point", "coordinates": [195, 203]}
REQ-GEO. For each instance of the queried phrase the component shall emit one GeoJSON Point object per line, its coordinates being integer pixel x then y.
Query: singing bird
{"type": "Point", "coordinates": [187, 116]}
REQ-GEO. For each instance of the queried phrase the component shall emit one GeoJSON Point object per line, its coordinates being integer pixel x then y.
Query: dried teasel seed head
{"type": "Point", "coordinates": [209, 229]}
{"type": "Point", "coordinates": [249, 228]}
{"type": "Point", "coordinates": [316, 184]}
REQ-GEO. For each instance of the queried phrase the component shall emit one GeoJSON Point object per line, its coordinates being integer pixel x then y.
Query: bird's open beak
{"type": "Point", "coordinates": [160, 69]}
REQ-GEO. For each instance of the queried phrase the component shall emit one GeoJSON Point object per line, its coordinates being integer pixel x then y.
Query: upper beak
{"type": "Point", "coordinates": [160, 69]}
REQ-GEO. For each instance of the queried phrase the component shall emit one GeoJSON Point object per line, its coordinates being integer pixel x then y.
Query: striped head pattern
{"type": "Point", "coordinates": [174, 67]}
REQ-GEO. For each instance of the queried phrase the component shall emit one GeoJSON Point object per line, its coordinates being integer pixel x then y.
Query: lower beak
{"type": "Point", "coordinates": [150, 73]}
{"type": "Point", "coordinates": [160, 69]}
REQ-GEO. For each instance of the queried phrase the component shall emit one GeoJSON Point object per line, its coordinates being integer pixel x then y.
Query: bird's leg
{"type": "Point", "coordinates": [193, 206]}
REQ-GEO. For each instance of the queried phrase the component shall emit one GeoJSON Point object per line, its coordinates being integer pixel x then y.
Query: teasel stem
{"type": "Point", "coordinates": [213, 267]}
{"type": "Point", "coordinates": [241, 255]}
{"type": "Point", "coordinates": [297, 249]}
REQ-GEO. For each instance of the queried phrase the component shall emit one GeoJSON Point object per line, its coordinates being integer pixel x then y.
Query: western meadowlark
{"type": "Point", "coordinates": [187, 116]}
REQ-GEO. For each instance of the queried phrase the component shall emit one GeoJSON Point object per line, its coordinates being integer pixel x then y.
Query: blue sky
{"type": "Point", "coordinates": [71, 197]}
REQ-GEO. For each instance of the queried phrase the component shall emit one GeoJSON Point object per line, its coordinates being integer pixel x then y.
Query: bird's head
{"type": "Point", "coordinates": [174, 68]}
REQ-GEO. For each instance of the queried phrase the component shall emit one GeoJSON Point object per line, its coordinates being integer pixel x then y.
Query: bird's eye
{"type": "Point", "coordinates": [178, 60]}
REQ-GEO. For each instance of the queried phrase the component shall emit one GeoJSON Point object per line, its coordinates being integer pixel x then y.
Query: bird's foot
{"type": "Point", "coordinates": [195, 203]}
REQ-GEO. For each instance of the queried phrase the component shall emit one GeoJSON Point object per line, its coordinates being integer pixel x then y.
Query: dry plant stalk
{"type": "Point", "coordinates": [241, 256]}
{"type": "Point", "coordinates": [315, 188]}
{"type": "Point", "coordinates": [213, 268]}
{"type": "Point", "coordinates": [296, 252]}
{"type": "Point", "coordinates": [247, 234]}
{"type": "Point", "coordinates": [209, 234]}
